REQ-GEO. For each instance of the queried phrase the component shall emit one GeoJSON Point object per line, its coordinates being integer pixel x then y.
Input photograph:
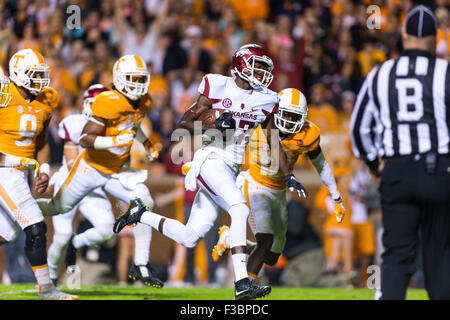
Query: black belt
{"type": "Point", "coordinates": [430, 160]}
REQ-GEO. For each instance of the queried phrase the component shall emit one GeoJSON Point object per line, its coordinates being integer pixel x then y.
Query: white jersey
{"type": "Point", "coordinates": [249, 108]}
{"type": "Point", "coordinates": [70, 129]}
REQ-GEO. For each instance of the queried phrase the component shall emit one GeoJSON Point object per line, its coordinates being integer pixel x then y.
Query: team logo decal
{"type": "Point", "coordinates": [300, 142]}
{"type": "Point", "coordinates": [227, 103]}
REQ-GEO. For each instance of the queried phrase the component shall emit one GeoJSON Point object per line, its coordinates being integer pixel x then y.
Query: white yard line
{"type": "Point", "coordinates": [18, 292]}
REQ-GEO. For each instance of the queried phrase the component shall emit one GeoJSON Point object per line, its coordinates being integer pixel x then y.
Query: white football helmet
{"type": "Point", "coordinates": [131, 77]}
{"type": "Point", "coordinates": [292, 111]}
{"type": "Point", "coordinates": [243, 64]}
{"type": "Point", "coordinates": [27, 69]}
{"type": "Point", "coordinates": [89, 97]}
{"type": "Point", "coordinates": [5, 96]}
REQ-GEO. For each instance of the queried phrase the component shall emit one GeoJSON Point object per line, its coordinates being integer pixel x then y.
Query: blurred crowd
{"type": "Point", "coordinates": [324, 48]}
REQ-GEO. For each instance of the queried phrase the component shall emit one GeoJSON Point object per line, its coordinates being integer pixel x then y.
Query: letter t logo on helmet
{"type": "Point", "coordinates": [28, 69]}
{"type": "Point", "coordinates": [131, 77]}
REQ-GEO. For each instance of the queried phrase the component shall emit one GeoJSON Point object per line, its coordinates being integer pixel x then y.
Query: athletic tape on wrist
{"type": "Point", "coordinates": [45, 168]}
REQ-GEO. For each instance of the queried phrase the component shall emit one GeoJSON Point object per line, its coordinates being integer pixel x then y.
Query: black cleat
{"type": "Point", "coordinates": [71, 253]}
{"type": "Point", "coordinates": [146, 274]}
{"type": "Point", "coordinates": [131, 216]}
{"type": "Point", "coordinates": [244, 289]}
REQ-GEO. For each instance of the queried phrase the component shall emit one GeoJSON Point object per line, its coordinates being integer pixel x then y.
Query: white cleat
{"type": "Point", "coordinates": [49, 292]}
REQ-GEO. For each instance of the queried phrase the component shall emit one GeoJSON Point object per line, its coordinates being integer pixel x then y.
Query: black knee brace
{"type": "Point", "coordinates": [36, 243]}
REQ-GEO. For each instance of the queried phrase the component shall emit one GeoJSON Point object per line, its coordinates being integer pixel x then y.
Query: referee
{"type": "Point", "coordinates": [400, 128]}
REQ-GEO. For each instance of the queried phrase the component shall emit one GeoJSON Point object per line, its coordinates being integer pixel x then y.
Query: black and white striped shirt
{"type": "Point", "coordinates": [403, 108]}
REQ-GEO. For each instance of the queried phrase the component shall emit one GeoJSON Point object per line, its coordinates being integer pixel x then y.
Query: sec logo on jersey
{"type": "Point", "coordinates": [227, 103]}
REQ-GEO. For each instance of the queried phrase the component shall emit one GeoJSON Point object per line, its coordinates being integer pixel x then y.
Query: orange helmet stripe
{"type": "Point", "coordinates": [295, 100]}
{"type": "Point", "coordinates": [39, 56]}
{"type": "Point", "coordinates": [139, 62]}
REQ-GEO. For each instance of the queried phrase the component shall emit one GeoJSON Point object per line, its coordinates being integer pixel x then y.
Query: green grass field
{"type": "Point", "coordinates": [110, 292]}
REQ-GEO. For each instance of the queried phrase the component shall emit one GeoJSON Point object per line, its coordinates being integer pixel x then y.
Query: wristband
{"type": "Point", "coordinates": [45, 168]}
{"type": "Point", "coordinates": [102, 142]}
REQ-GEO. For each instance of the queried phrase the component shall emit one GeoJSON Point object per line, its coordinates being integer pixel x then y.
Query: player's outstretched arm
{"type": "Point", "coordinates": [187, 120]}
{"type": "Point", "coordinates": [93, 137]}
{"type": "Point", "coordinates": [323, 169]}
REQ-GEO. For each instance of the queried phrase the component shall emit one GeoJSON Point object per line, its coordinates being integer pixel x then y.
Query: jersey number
{"type": "Point", "coordinates": [27, 129]}
{"type": "Point", "coordinates": [409, 94]}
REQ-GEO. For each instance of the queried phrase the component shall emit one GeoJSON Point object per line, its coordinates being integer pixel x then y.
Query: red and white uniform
{"type": "Point", "coordinates": [249, 108]}
{"type": "Point", "coordinates": [214, 168]}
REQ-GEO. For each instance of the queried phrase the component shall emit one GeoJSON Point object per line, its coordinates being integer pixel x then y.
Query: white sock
{"type": "Point", "coordinates": [151, 219]}
{"type": "Point", "coordinates": [142, 238]}
{"type": "Point", "coordinates": [240, 266]}
{"type": "Point", "coordinates": [42, 275]}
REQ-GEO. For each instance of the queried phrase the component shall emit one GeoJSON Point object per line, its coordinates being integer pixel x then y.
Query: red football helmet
{"type": "Point", "coordinates": [89, 96]}
{"type": "Point", "coordinates": [243, 64]}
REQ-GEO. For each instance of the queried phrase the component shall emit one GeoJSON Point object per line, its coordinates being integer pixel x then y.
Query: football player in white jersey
{"type": "Point", "coordinates": [96, 206]}
{"type": "Point", "coordinates": [248, 103]}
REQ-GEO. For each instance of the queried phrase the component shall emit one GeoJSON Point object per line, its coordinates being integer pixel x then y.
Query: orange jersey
{"type": "Point", "coordinates": [120, 115]}
{"type": "Point", "coordinates": [21, 122]}
{"type": "Point", "coordinates": [262, 169]}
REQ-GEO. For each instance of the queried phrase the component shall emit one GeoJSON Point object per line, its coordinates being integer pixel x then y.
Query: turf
{"type": "Point", "coordinates": [112, 292]}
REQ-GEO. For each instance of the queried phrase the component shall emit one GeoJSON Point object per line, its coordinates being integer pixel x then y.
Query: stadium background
{"type": "Point", "coordinates": [324, 48]}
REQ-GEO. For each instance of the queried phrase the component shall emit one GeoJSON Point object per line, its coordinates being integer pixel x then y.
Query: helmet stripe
{"type": "Point", "coordinates": [139, 62]}
{"type": "Point", "coordinates": [295, 100]}
{"type": "Point", "coordinates": [39, 56]}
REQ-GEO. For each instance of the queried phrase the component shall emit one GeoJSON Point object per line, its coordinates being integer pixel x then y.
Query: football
{"type": "Point", "coordinates": [209, 116]}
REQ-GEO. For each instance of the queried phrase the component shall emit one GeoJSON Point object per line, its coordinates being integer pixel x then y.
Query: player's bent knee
{"type": "Point", "coordinates": [239, 211]}
{"type": "Point", "coordinates": [35, 235]}
{"type": "Point", "coordinates": [106, 231]}
{"type": "Point", "coordinates": [190, 238]}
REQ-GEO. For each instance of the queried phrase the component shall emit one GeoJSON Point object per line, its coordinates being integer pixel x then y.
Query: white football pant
{"type": "Point", "coordinates": [268, 210]}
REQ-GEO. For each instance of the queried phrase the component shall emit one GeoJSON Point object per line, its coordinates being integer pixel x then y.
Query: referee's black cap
{"type": "Point", "coordinates": [421, 22]}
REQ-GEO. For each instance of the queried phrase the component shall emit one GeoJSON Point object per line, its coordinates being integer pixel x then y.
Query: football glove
{"type": "Point", "coordinates": [224, 121]}
{"type": "Point", "coordinates": [292, 183]}
{"type": "Point", "coordinates": [152, 154]}
{"type": "Point", "coordinates": [30, 164]}
{"type": "Point", "coordinates": [152, 151]}
{"type": "Point", "coordinates": [339, 210]}
{"type": "Point", "coordinates": [124, 138]}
